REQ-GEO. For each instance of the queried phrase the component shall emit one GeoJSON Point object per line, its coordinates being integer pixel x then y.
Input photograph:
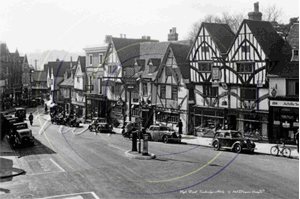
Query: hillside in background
{"type": "Point", "coordinates": [46, 56]}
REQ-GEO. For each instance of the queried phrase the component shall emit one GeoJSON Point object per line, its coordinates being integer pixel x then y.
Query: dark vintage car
{"type": "Point", "coordinates": [163, 133]}
{"type": "Point", "coordinates": [20, 135]}
{"type": "Point", "coordinates": [20, 113]}
{"type": "Point", "coordinates": [233, 140]}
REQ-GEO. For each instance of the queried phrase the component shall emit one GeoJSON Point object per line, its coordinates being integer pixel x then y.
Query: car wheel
{"type": "Point", "coordinates": [215, 144]}
{"type": "Point", "coordinates": [90, 128]}
{"type": "Point", "coordinates": [165, 139]}
{"type": "Point", "coordinates": [237, 148]}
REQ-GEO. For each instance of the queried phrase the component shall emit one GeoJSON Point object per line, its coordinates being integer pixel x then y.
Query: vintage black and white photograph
{"type": "Point", "coordinates": [149, 99]}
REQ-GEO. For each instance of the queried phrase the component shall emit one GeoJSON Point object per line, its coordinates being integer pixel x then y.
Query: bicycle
{"type": "Point", "coordinates": [285, 151]}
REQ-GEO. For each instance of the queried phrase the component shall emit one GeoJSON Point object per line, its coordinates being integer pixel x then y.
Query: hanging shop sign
{"type": "Point", "coordinates": [284, 103]}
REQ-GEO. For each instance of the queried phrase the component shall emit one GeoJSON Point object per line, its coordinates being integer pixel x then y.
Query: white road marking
{"type": "Point", "coordinates": [72, 194]}
{"type": "Point", "coordinates": [57, 165]}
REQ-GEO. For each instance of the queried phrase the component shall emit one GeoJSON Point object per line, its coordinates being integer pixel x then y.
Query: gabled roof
{"type": "Point", "coordinates": [81, 60]}
{"type": "Point", "coordinates": [154, 51]}
{"type": "Point", "coordinates": [288, 70]}
{"type": "Point", "coordinates": [154, 61]}
{"type": "Point", "coordinates": [128, 49]}
{"type": "Point", "coordinates": [221, 34]}
{"type": "Point", "coordinates": [271, 43]}
{"type": "Point", "coordinates": [68, 82]}
{"type": "Point", "coordinates": [180, 53]}
{"type": "Point", "coordinates": [40, 76]}
{"type": "Point", "coordinates": [59, 67]}
{"type": "Point", "coordinates": [293, 37]}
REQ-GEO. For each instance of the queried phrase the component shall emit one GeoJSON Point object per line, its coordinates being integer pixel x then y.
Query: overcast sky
{"type": "Point", "coordinates": [72, 25]}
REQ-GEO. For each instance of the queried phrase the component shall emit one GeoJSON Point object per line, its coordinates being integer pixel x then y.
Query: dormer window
{"type": "Point", "coordinates": [295, 55]}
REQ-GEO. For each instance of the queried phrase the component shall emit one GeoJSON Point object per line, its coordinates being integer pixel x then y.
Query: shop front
{"type": "Point", "coordinates": [96, 106]}
{"type": "Point", "coordinates": [205, 117]}
{"type": "Point", "coordinates": [284, 120]}
{"type": "Point", "coordinates": [248, 121]}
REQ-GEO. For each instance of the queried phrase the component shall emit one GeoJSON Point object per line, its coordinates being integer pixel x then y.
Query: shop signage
{"type": "Point", "coordinates": [216, 73]}
{"type": "Point", "coordinates": [284, 103]}
{"type": "Point", "coordinates": [276, 122]}
{"type": "Point", "coordinates": [286, 124]}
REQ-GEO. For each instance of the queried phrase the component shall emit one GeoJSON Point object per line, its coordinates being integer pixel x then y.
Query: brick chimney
{"type": "Point", "coordinates": [255, 15]}
{"type": "Point", "coordinates": [173, 36]}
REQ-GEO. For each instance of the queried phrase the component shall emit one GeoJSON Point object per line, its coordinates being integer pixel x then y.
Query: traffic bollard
{"type": "Point", "coordinates": [134, 141]}
{"type": "Point", "coordinates": [145, 144]}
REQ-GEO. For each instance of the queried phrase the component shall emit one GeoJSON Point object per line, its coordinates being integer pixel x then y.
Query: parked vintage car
{"type": "Point", "coordinates": [163, 133]}
{"type": "Point", "coordinates": [104, 128]}
{"type": "Point", "coordinates": [20, 113]}
{"type": "Point", "coordinates": [95, 122]}
{"type": "Point", "coordinates": [233, 140]}
{"type": "Point", "coordinates": [20, 135]}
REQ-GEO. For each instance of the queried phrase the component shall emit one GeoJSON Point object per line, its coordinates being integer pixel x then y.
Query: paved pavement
{"type": "Point", "coordinates": [10, 166]}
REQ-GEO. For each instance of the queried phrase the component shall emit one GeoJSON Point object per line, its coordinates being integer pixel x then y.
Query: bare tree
{"type": "Point", "coordinates": [234, 22]}
{"type": "Point", "coordinates": [272, 13]}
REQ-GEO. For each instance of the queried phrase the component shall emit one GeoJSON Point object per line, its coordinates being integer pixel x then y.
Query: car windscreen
{"type": "Point", "coordinates": [164, 128]}
{"type": "Point", "coordinates": [237, 135]}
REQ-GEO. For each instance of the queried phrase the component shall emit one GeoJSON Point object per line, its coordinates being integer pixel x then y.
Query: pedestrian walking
{"type": "Point", "coordinates": [30, 119]}
{"type": "Point", "coordinates": [179, 125]}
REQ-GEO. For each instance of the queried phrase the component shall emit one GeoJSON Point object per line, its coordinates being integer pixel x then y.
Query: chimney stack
{"type": "Point", "coordinates": [173, 36]}
{"type": "Point", "coordinates": [125, 36]}
{"type": "Point", "coordinates": [121, 35]}
{"type": "Point", "coordinates": [255, 15]}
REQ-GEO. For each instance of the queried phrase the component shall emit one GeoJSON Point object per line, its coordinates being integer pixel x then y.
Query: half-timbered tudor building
{"type": "Point", "coordinates": [257, 47]}
{"type": "Point", "coordinates": [119, 64]}
{"type": "Point", "coordinates": [147, 65]}
{"type": "Point", "coordinates": [95, 98]}
{"type": "Point", "coordinates": [55, 75]}
{"type": "Point", "coordinates": [170, 94]}
{"type": "Point", "coordinates": [206, 59]}
{"type": "Point", "coordinates": [80, 80]}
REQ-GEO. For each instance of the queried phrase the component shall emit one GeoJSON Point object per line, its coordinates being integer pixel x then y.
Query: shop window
{"type": "Point", "coordinates": [292, 88]}
{"type": "Point", "coordinates": [244, 67]}
{"type": "Point", "coordinates": [174, 92]}
{"type": "Point", "coordinates": [248, 93]}
{"type": "Point", "coordinates": [204, 67]}
{"type": "Point", "coordinates": [163, 91]}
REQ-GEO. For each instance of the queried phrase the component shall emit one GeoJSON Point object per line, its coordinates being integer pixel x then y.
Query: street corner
{"type": "Point", "coordinates": [9, 166]}
{"type": "Point", "coordinates": [140, 156]}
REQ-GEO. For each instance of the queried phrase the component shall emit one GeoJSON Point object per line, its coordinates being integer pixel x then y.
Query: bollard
{"type": "Point", "coordinates": [134, 141]}
{"type": "Point", "coordinates": [145, 144]}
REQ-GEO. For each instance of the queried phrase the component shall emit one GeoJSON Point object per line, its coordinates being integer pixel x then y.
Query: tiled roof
{"type": "Point", "coordinates": [288, 70]}
{"type": "Point", "coordinates": [81, 59]}
{"type": "Point", "coordinates": [293, 37]}
{"type": "Point", "coordinates": [272, 44]}
{"type": "Point", "coordinates": [128, 49]}
{"type": "Point", "coordinates": [221, 34]}
{"type": "Point", "coordinates": [59, 67]}
{"type": "Point", "coordinates": [40, 76]}
{"type": "Point", "coordinates": [156, 51]}
{"type": "Point", "coordinates": [68, 82]}
{"type": "Point", "coordinates": [180, 53]}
